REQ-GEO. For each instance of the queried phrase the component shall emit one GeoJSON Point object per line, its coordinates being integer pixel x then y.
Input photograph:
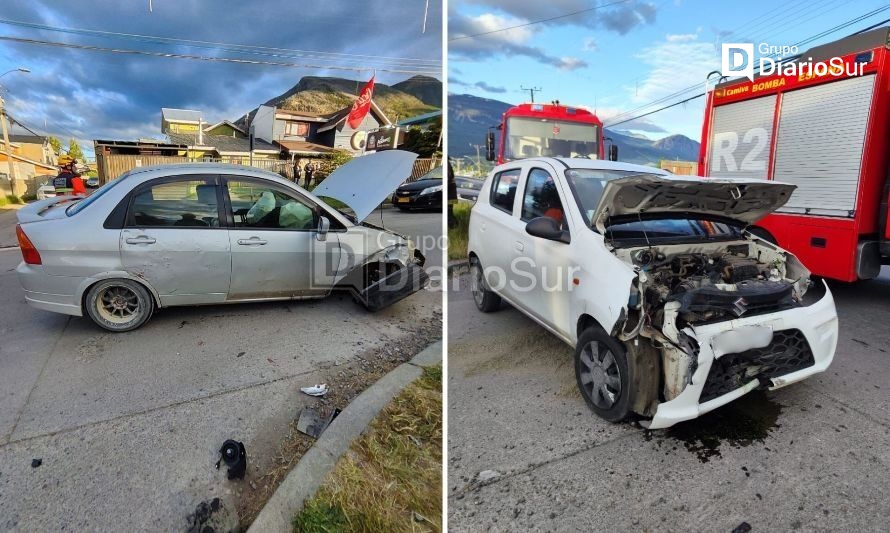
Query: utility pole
{"type": "Point", "coordinates": [531, 91]}
{"type": "Point", "coordinates": [478, 159]}
{"type": "Point", "coordinates": [13, 176]}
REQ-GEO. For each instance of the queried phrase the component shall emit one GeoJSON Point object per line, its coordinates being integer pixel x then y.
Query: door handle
{"type": "Point", "coordinates": [519, 246]}
{"type": "Point", "coordinates": [253, 241]}
{"type": "Point", "coordinates": [141, 239]}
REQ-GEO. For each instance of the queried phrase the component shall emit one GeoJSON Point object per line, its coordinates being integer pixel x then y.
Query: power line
{"type": "Point", "coordinates": [426, 71]}
{"type": "Point", "coordinates": [826, 32]}
{"type": "Point", "coordinates": [803, 42]}
{"type": "Point", "coordinates": [567, 15]}
{"type": "Point", "coordinates": [229, 47]}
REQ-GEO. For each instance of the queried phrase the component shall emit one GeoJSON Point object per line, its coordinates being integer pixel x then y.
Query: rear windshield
{"type": "Point", "coordinates": [79, 206]}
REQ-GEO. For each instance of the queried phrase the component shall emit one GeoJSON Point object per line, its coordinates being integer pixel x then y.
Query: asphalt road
{"type": "Point", "coordinates": [814, 456]}
{"type": "Point", "coordinates": [128, 425]}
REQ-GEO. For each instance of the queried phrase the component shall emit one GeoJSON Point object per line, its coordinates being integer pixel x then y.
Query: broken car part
{"type": "Point", "coordinates": [315, 390]}
{"type": "Point", "coordinates": [310, 423]}
{"type": "Point", "coordinates": [234, 455]}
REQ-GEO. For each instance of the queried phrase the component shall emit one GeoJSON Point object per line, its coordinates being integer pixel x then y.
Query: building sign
{"type": "Point", "coordinates": [383, 139]}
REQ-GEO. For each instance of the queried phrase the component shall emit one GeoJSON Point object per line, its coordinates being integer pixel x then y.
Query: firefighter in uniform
{"type": "Point", "coordinates": [63, 183]}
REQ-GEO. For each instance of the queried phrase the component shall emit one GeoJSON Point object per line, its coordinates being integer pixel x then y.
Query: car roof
{"type": "Point", "coordinates": [596, 164]}
{"type": "Point", "coordinates": [154, 171]}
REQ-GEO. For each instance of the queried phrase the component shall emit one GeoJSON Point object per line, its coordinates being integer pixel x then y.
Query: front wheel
{"type": "Point", "coordinates": [119, 304]}
{"type": "Point", "coordinates": [485, 299]}
{"type": "Point", "coordinates": [603, 374]}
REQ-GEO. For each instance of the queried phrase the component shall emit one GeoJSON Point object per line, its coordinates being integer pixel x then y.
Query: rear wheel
{"type": "Point", "coordinates": [603, 374]}
{"type": "Point", "coordinates": [119, 304]}
{"type": "Point", "coordinates": [486, 300]}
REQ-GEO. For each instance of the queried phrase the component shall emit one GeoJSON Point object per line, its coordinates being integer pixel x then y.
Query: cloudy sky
{"type": "Point", "coordinates": [89, 95]}
{"type": "Point", "coordinates": [626, 53]}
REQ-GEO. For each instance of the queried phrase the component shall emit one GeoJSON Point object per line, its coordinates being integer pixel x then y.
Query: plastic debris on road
{"type": "Point", "coordinates": [315, 390]}
{"type": "Point", "coordinates": [310, 423]}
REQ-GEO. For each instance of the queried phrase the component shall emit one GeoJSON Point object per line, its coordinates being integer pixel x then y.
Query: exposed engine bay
{"type": "Point", "coordinates": [680, 286]}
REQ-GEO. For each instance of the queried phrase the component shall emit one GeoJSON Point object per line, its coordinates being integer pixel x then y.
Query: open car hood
{"type": "Point", "coordinates": [743, 200]}
{"type": "Point", "coordinates": [365, 182]}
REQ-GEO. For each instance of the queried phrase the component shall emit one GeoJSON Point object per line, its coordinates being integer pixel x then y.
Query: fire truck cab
{"type": "Point", "coordinates": [824, 130]}
{"type": "Point", "coordinates": [548, 130]}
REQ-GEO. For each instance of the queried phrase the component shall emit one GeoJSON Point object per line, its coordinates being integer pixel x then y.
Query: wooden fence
{"type": "Point", "coordinates": [422, 166]}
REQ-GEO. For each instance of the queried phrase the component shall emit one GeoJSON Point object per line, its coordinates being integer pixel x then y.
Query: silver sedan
{"type": "Point", "coordinates": [211, 233]}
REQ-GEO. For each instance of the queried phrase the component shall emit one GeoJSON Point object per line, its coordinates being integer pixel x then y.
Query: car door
{"type": "Point", "coordinates": [172, 238]}
{"type": "Point", "coordinates": [498, 227]}
{"type": "Point", "coordinates": [545, 276]}
{"type": "Point", "coordinates": [273, 234]}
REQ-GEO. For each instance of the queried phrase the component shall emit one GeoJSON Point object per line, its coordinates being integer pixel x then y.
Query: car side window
{"type": "Point", "coordinates": [541, 198]}
{"type": "Point", "coordinates": [503, 189]}
{"type": "Point", "coordinates": [176, 204]}
{"type": "Point", "coordinates": [255, 205]}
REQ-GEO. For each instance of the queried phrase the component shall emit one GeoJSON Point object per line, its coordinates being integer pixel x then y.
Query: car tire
{"type": "Point", "coordinates": [603, 374]}
{"type": "Point", "coordinates": [119, 304]}
{"type": "Point", "coordinates": [486, 300]}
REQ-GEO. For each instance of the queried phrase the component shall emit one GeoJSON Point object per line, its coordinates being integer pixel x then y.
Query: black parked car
{"type": "Point", "coordinates": [425, 193]}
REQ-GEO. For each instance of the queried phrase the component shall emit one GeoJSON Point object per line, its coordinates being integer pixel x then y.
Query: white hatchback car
{"type": "Point", "coordinates": [672, 307]}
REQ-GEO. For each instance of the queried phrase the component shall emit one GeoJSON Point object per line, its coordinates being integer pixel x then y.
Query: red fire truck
{"type": "Point", "coordinates": [532, 130]}
{"type": "Point", "coordinates": [826, 131]}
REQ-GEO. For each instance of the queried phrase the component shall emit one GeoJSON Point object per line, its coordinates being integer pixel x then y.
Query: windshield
{"type": "Point", "coordinates": [588, 184]}
{"type": "Point", "coordinates": [535, 137]}
{"type": "Point", "coordinates": [670, 229]}
{"type": "Point", "coordinates": [79, 206]}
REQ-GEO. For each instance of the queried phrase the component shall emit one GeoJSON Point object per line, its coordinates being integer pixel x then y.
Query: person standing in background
{"type": "Point", "coordinates": [310, 169]}
{"type": "Point", "coordinates": [298, 171]}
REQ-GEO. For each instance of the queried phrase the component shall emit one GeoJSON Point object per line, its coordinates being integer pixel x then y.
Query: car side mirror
{"type": "Point", "coordinates": [324, 225]}
{"type": "Point", "coordinates": [489, 146]}
{"type": "Point", "coordinates": [613, 152]}
{"type": "Point", "coordinates": [547, 228]}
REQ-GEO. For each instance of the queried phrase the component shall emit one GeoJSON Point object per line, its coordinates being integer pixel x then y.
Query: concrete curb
{"type": "Point", "coordinates": [458, 266]}
{"type": "Point", "coordinates": [304, 480]}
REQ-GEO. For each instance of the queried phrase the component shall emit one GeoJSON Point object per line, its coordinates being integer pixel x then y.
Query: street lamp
{"type": "Point", "coordinates": [20, 69]}
{"type": "Point", "coordinates": [8, 147]}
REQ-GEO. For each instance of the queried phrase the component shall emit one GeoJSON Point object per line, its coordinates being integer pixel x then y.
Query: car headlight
{"type": "Point", "coordinates": [431, 190]}
{"type": "Point", "coordinates": [399, 253]}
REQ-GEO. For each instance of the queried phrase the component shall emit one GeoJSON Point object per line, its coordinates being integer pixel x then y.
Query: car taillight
{"type": "Point", "coordinates": [29, 253]}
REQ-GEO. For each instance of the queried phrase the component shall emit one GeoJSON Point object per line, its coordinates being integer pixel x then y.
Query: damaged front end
{"type": "Point", "coordinates": [387, 276]}
{"type": "Point", "coordinates": [721, 319]}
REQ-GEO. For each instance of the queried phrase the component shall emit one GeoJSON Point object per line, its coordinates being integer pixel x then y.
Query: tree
{"type": "Point", "coordinates": [330, 164]}
{"type": "Point", "coordinates": [74, 150]}
{"type": "Point", "coordinates": [424, 143]}
{"type": "Point", "coordinates": [56, 144]}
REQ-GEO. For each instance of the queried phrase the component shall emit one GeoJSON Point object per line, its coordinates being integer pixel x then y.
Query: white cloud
{"type": "Point", "coordinates": [681, 37]}
{"type": "Point", "coordinates": [675, 65]}
{"type": "Point", "coordinates": [590, 45]}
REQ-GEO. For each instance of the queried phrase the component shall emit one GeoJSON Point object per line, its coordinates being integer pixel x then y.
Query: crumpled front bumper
{"type": "Point", "coordinates": [818, 324]}
{"type": "Point", "coordinates": [394, 287]}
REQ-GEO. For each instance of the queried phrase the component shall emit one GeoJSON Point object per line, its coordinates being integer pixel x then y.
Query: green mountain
{"type": "Point", "coordinates": [425, 88]}
{"type": "Point", "coordinates": [314, 94]}
{"type": "Point", "coordinates": [469, 118]}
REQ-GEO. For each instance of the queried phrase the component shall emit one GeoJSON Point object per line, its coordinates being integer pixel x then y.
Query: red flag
{"type": "Point", "coordinates": [361, 106]}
